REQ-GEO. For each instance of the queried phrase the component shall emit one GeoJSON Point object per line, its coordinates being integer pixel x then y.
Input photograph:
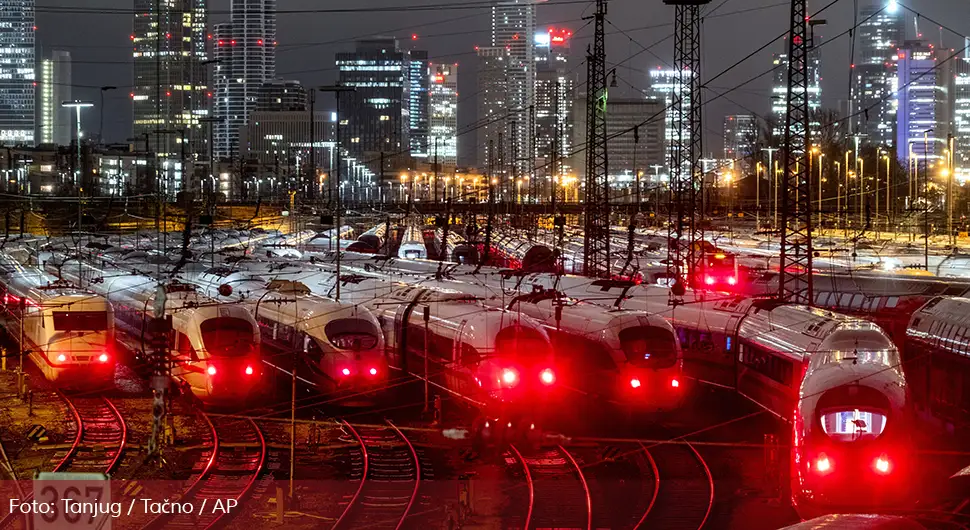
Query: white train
{"type": "Point", "coordinates": [214, 346]}
{"type": "Point", "coordinates": [67, 332]}
{"type": "Point", "coordinates": [837, 379]}
{"type": "Point", "coordinates": [412, 244]}
{"type": "Point", "coordinates": [339, 347]}
{"type": "Point", "coordinates": [629, 358]}
{"type": "Point", "coordinates": [491, 359]}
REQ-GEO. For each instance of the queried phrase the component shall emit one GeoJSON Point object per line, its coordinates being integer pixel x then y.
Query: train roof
{"type": "Point", "coordinates": [951, 309]}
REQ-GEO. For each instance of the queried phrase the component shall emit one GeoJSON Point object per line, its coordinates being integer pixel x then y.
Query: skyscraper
{"type": "Point", "coordinates": [17, 72]}
{"type": "Point", "coordinates": [507, 78]}
{"type": "Point", "coordinates": [375, 117]}
{"type": "Point", "coordinates": [419, 104]}
{"type": "Point", "coordinates": [874, 82]}
{"type": "Point", "coordinates": [246, 49]}
{"type": "Point", "coordinates": [961, 115]}
{"type": "Point", "coordinates": [740, 136]}
{"type": "Point", "coordinates": [779, 91]}
{"type": "Point", "coordinates": [169, 91]}
{"type": "Point", "coordinates": [922, 120]}
{"type": "Point", "coordinates": [282, 95]}
{"type": "Point", "coordinates": [55, 123]}
{"type": "Point", "coordinates": [444, 113]}
{"type": "Point", "coordinates": [554, 97]}
{"type": "Point", "coordinates": [665, 85]}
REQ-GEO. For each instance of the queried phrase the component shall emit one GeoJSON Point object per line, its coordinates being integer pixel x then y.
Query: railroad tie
{"type": "Point", "coordinates": [132, 488]}
{"type": "Point", "coordinates": [38, 434]}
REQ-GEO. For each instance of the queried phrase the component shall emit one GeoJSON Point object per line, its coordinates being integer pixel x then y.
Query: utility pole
{"type": "Point", "coordinates": [160, 330]}
{"type": "Point", "coordinates": [795, 283]}
{"type": "Point", "coordinates": [491, 202]}
{"type": "Point", "coordinates": [313, 147]}
{"type": "Point", "coordinates": [596, 240]}
{"type": "Point", "coordinates": [337, 90]}
{"type": "Point", "coordinates": [686, 174]}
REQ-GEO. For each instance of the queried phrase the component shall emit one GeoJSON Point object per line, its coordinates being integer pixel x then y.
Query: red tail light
{"type": "Point", "coordinates": [547, 377]}
{"type": "Point", "coordinates": [635, 383]}
{"type": "Point", "coordinates": [249, 370]}
{"type": "Point", "coordinates": [61, 358]}
{"type": "Point", "coordinates": [103, 357]}
{"type": "Point", "coordinates": [373, 371]}
{"type": "Point", "coordinates": [674, 383]}
{"type": "Point", "coordinates": [510, 377]}
{"type": "Point", "coordinates": [732, 280]}
{"type": "Point", "coordinates": [882, 465]}
{"type": "Point", "coordinates": [823, 464]}
{"type": "Point", "coordinates": [345, 371]}
{"type": "Point", "coordinates": [211, 370]}
{"type": "Point", "coordinates": [709, 280]}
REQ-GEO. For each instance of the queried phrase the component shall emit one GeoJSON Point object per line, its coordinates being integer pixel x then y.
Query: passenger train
{"type": "Point", "coordinates": [68, 333]}
{"type": "Point", "coordinates": [490, 359]}
{"type": "Point", "coordinates": [628, 358]}
{"type": "Point", "coordinates": [837, 379]}
{"type": "Point", "coordinates": [214, 347]}
{"type": "Point", "coordinates": [336, 347]}
{"type": "Point", "coordinates": [412, 244]}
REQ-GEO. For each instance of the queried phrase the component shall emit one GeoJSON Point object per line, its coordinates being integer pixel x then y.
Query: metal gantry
{"type": "Point", "coordinates": [685, 229]}
{"type": "Point", "coordinates": [796, 213]}
{"type": "Point", "coordinates": [596, 244]}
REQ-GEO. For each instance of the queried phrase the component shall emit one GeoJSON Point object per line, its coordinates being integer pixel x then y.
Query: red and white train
{"type": "Point", "coordinates": [68, 333]}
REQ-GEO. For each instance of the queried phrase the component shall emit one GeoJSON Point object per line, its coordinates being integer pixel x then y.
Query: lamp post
{"type": "Point", "coordinates": [77, 105]}
{"type": "Point", "coordinates": [771, 167]}
{"type": "Point", "coordinates": [926, 198]}
{"type": "Point", "coordinates": [838, 195]}
{"type": "Point", "coordinates": [949, 191]}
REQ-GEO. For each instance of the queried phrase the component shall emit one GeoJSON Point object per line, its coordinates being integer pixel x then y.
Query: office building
{"type": "Point", "coordinates": [246, 50]}
{"type": "Point", "coordinates": [881, 32]}
{"type": "Point", "coordinates": [55, 124]}
{"type": "Point", "coordinates": [419, 103]}
{"type": "Point", "coordinates": [779, 91]}
{"type": "Point", "coordinates": [961, 115]}
{"type": "Point", "coordinates": [281, 139]}
{"type": "Point", "coordinates": [665, 85]}
{"type": "Point", "coordinates": [507, 80]}
{"type": "Point", "coordinates": [17, 72]}
{"type": "Point", "coordinates": [444, 113]}
{"type": "Point", "coordinates": [176, 49]}
{"type": "Point", "coordinates": [554, 98]}
{"type": "Point", "coordinates": [627, 156]}
{"type": "Point", "coordinates": [922, 117]}
{"type": "Point", "coordinates": [375, 117]}
{"type": "Point", "coordinates": [282, 95]}
{"type": "Point", "coordinates": [740, 136]}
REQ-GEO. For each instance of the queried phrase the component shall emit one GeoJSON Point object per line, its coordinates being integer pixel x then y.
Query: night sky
{"type": "Point", "coordinates": [99, 45]}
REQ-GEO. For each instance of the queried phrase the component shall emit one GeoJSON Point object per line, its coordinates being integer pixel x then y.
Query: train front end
{"type": "Point", "coordinates": [651, 367]}
{"type": "Point", "coordinates": [219, 355]}
{"type": "Point", "coordinates": [80, 346]}
{"type": "Point", "coordinates": [851, 446]}
{"type": "Point", "coordinates": [346, 355]}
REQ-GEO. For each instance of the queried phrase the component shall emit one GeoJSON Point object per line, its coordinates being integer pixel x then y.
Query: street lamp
{"type": "Point", "coordinates": [77, 106]}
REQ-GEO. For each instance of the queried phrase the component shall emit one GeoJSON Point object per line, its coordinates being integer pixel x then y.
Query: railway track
{"type": "Point", "coordinates": [685, 488]}
{"type": "Point", "coordinates": [558, 494]}
{"type": "Point", "coordinates": [390, 480]}
{"type": "Point", "coordinates": [227, 471]}
{"type": "Point", "coordinates": [100, 434]}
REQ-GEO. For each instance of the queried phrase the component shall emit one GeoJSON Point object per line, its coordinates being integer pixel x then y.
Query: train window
{"type": "Point", "coordinates": [776, 368]}
{"type": "Point", "coordinates": [80, 320]}
{"type": "Point", "coordinates": [523, 343]}
{"type": "Point", "coordinates": [468, 356]}
{"type": "Point", "coordinates": [892, 302]}
{"type": "Point", "coordinates": [184, 347]}
{"type": "Point", "coordinates": [227, 336]}
{"type": "Point", "coordinates": [857, 301]}
{"type": "Point", "coordinates": [649, 347]}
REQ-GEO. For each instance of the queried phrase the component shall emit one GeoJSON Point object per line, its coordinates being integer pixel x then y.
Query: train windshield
{"type": "Point", "coordinates": [853, 425]}
{"type": "Point", "coordinates": [526, 344]}
{"type": "Point", "coordinates": [227, 337]}
{"type": "Point", "coordinates": [649, 347]}
{"type": "Point", "coordinates": [80, 320]}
